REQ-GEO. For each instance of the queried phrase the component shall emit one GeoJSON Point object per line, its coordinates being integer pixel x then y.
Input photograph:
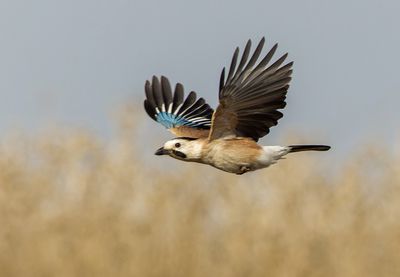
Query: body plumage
{"type": "Point", "coordinates": [234, 155]}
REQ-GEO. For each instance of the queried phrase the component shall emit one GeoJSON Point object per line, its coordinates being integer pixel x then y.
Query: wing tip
{"type": "Point", "coordinates": [185, 111]}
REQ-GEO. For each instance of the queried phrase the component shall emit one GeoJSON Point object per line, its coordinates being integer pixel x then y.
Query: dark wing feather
{"type": "Point", "coordinates": [186, 117]}
{"type": "Point", "coordinates": [250, 97]}
{"type": "Point", "coordinates": [178, 96]}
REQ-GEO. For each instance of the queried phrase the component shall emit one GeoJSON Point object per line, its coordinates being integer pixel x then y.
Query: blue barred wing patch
{"type": "Point", "coordinates": [169, 120]}
{"type": "Point", "coordinates": [174, 110]}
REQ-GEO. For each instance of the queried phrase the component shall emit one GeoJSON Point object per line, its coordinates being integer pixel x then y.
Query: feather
{"type": "Point", "coordinates": [167, 93]}
{"type": "Point", "coordinates": [173, 111]}
{"type": "Point", "coordinates": [252, 94]}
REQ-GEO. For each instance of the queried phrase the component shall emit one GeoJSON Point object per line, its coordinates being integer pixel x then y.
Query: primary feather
{"type": "Point", "coordinates": [173, 110]}
{"type": "Point", "coordinates": [251, 95]}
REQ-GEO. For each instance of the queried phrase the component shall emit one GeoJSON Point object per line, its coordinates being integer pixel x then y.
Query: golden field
{"type": "Point", "coordinates": [72, 204]}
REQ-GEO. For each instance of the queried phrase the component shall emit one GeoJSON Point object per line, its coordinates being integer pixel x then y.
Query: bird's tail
{"type": "Point", "coordinates": [299, 148]}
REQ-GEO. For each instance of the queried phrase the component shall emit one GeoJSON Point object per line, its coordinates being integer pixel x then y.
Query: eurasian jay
{"type": "Point", "coordinates": [249, 100]}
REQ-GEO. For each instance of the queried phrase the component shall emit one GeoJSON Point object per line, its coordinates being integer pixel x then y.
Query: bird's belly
{"type": "Point", "coordinates": [240, 160]}
{"type": "Point", "coordinates": [229, 166]}
{"type": "Point", "coordinates": [232, 163]}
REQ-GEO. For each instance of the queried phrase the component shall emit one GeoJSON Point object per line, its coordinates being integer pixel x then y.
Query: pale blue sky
{"type": "Point", "coordinates": [75, 62]}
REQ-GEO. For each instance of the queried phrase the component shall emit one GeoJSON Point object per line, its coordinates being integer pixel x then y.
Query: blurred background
{"type": "Point", "coordinates": [82, 194]}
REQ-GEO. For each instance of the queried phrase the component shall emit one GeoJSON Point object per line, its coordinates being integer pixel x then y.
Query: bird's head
{"type": "Point", "coordinates": [183, 148]}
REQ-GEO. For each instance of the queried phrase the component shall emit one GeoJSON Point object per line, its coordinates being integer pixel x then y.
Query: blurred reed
{"type": "Point", "coordinates": [72, 204]}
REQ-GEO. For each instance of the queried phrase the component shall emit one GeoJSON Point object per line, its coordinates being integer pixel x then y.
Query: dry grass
{"type": "Point", "coordinates": [72, 205]}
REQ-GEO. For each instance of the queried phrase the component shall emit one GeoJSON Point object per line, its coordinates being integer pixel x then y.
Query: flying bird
{"type": "Point", "coordinates": [249, 99]}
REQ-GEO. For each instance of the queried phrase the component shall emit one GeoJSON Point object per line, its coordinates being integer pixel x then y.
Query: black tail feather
{"type": "Point", "coordinates": [299, 148]}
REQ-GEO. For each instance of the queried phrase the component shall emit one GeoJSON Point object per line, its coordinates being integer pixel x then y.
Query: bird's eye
{"type": "Point", "coordinates": [177, 145]}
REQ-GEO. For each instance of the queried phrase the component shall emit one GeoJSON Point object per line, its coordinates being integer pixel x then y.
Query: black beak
{"type": "Point", "coordinates": [161, 151]}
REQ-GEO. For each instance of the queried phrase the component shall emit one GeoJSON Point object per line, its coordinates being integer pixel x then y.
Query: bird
{"type": "Point", "coordinates": [250, 98]}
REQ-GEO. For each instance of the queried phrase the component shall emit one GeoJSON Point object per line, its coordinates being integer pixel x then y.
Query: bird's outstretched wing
{"type": "Point", "coordinates": [183, 117]}
{"type": "Point", "coordinates": [251, 95]}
